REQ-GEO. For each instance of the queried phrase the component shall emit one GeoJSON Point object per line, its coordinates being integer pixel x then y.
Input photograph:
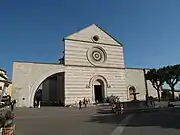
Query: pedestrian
{"type": "Point", "coordinates": [151, 100]}
{"type": "Point", "coordinates": [80, 104]}
{"type": "Point", "coordinates": [118, 107]}
{"type": "Point", "coordinates": [122, 109]}
{"type": "Point", "coordinates": [38, 98]}
{"type": "Point", "coordinates": [113, 107]}
{"type": "Point", "coordinates": [89, 101]}
{"type": "Point", "coordinates": [38, 103]}
{"type": "Point", "coordinates": [84, 102]}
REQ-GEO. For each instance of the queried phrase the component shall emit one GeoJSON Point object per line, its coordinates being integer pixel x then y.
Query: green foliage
{"type": "Point", "coordinates": [156, 76]}
{"type": "Point", "coordinates": [168, 74]}
{"type": "Point", "coordinates": [172, 75]}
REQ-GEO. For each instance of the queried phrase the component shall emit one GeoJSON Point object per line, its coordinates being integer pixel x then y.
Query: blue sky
{"type": "Point", "coordinates": [33, 30]}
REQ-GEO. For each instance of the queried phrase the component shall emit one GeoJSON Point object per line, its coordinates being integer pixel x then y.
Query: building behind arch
{"type": "Point", "coordinates": [92, 67]}
{"type": "Point", "coordinates": [5, 83]}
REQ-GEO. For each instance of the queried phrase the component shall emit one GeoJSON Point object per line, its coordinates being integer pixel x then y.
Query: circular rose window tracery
{"type": "Point", "coordinates": [96, 55]}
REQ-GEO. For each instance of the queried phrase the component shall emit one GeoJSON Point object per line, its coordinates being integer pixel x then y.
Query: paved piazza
{"type": "Point", "coordinates": [95, 121]}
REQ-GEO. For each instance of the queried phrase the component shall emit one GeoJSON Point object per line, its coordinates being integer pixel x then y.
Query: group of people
{"type": "Point", "coordinates": [83, 102]}
{"type": "Point", "coordinates": [117, 107]}
{"type": "Point", "coordinates": [150, 101]}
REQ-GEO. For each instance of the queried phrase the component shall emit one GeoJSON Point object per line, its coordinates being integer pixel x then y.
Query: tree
{"type": "Point", "coordinates": [156, 77]}
{"type": "Point", "coordinates": [172, 77]}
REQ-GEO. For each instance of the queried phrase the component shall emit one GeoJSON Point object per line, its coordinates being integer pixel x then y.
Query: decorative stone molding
{"type": "Point", "coordinates": [104, 83]}
{"type": "Point", "coordinates": [96, 55]}
{"type": "Point", "coordinates": [96, 77]}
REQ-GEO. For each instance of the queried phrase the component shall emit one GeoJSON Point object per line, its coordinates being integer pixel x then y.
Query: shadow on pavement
{"type": "Point", "coordinates": [112, 119]}
{"type": "Point", "coordinates": [166, 118]}
{"type": "Point", "coordinates": [101, 111]}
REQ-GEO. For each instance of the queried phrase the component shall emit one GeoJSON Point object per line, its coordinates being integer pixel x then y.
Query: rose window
{"type": "Point", "coordinates": [96, 55]}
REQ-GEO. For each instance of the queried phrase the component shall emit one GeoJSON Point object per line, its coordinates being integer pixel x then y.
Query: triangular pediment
{"type": "Point", "coordinates": [89, 32]}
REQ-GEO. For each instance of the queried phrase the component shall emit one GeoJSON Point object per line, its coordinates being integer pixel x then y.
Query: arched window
{"type": "Point", "coordinates": [132, 91]}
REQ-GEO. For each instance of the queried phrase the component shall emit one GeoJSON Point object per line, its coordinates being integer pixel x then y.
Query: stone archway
{"type": "Point", "coordinates": [99, 91]}
{"type": "Point", "coordinates": [39, 81]}
{"type": "Point", "coordinates": [102, 82]}
{"type": "Point", "coordinates": [132, 92]}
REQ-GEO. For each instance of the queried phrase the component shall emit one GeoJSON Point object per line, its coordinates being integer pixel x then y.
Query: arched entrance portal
{"type": "Point", "coordinates": [37, 84]}
{"type": "Point", "coordinates": [99, 86]}
{"type": "Point", "coordinates": [99, 93]}
{"type": "Point", "coordinates": [51, 91]}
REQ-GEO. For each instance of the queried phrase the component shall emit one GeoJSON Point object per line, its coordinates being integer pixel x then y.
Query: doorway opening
{"type": "Point", "coordinates": [133, 93]}
{"type": "Point", "coordinates": [51, 91]}
{"type": "Point", "coordinates": [99, 91]}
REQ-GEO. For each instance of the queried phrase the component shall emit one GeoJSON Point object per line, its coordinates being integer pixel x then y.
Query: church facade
{"type": "Point", "coordinates": [92, 67]}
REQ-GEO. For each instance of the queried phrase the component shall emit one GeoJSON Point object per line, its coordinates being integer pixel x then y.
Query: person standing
{"type": "Point", "coordinates": [80, 104]}
{"type": "Point", "coordinates": [85, 102]}
{"type": "Point", "coordinates": [38, 98]}
{"type": "Point", "coordinates": [122, 108]}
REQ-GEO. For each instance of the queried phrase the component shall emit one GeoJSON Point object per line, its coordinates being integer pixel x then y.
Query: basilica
{"type": "Point", "coordinates": [92, 67]}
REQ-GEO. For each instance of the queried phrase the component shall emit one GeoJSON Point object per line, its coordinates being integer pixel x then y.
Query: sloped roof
{"type": "Point", "coordinates": [90, 26]}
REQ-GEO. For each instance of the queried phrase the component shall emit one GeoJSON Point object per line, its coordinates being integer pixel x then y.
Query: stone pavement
{"type": "Point", "coordinates": [162, 122]}
{"type": "Point", "coordinates": [64, 121]}
{"type": "Point", "coordinates": [95, 121]}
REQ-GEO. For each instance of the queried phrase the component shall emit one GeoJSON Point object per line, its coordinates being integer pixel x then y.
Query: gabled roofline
{"type": "Point", "coordinates": [64, 38]}
{"type": "Point", "coordinates": [99, 28]}
{"type": "Point", "coordinates": [109, 35]}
